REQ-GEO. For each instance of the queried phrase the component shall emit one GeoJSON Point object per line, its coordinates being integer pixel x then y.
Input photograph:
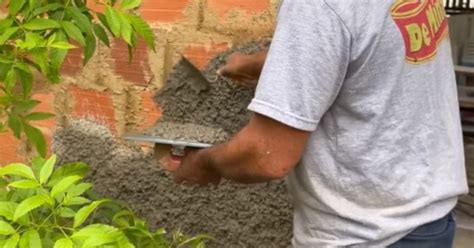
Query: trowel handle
{"type": "Point", "coordinates": [179, 151]}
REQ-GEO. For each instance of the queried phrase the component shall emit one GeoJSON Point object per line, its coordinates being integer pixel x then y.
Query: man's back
{"type": "Point", "coordinates": [374, 81]}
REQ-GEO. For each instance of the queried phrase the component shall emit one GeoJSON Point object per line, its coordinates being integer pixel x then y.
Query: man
{"type": "Point", "coordinates": [357, 106]}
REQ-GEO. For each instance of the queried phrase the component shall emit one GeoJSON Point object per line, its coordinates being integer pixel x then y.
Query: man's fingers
{"type": "Point", "coordinates": [173, 163]}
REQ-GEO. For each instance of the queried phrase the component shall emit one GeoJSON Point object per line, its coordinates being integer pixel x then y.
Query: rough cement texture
{"type": "Point", "coordinates": [236, 215]}
{"type": "Point", "coordinates": [188, 132]}
{"type": "Point", "coordinates": [222, 105]}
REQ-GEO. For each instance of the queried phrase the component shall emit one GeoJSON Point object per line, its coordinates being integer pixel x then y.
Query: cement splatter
{"type": "Point", "coordinates": [235, 215]}
{"type": "Point", "coordinates": [188, 132]}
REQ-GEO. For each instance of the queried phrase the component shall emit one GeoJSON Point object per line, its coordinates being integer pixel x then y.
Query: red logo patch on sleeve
{"type": "Point", "coordinates": [423, 24]}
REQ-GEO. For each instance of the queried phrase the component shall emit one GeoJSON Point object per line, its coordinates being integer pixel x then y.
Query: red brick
{"type": "Point", "coordinates": [46, 105]}
{"type": "Point", "coordinates": [73, 62]}
{"type": "Point", "coordinates": [150, 113]}
{"type": "Point", "coordinates": [138, 71]}
{"type": "Point", "coordinates": [46, 126]}
{"type": "Point", "coordinates": [200, 55]}
{"type": "Point", "coordinates": [222, 7]}
{"type": "Point", "coordinates": [93, 105]}
{"type": "Point", "coordinates": [9, 146]}
{"type": "Point", "coordinates": [167, 11]}
{"type": "Point", "coordinates": [93, 5]}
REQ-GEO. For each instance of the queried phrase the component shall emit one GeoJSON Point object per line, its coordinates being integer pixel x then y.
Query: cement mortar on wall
{"type": "Point", "coordinates": [235, 215]}
{"type": "Point", "coordinates": [223, 105]}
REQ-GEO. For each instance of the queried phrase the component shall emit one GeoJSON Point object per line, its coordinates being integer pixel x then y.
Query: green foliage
{"type": "Point", "coordinates": [44, 206]}
{"type": "Point", "coordinates": [37, 35]}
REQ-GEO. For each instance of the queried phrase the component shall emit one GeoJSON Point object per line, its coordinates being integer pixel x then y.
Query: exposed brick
{"type": "Point", "coordinates": [95, 6]}
{"type": "Point", "coordinates": [167, 11]}
{"type": "Point", "coordinates": [9, 146]}
{"type": "Point", "coordinates": [138, 70]}
{"type": "Point", "coordinates": [46, 105]}
{"type": "Point", "coordinates": [73, 62]}
{"type": "Point", "coordinates": [222, 7]}
{"type": "Point", "coordinates": [93, 105]}
{"type": "Point", "coordinates": [150, 113]}
{"type": "Point", "coordinates": [200, 55]}
{"type": "Point", "coordinates": [46, 126]}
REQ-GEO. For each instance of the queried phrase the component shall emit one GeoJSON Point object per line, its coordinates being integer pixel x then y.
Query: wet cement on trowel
{"type": "Point", "coordinates": [235, 215]}
{"type": "Point", "coordinates": [188, 132]}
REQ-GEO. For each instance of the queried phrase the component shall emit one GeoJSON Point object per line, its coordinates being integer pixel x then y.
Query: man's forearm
{"type": "Point", "coordinates": [237, 162]}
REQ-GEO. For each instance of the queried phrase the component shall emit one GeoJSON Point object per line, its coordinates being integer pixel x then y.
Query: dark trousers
{"type": "Point", "coordinates": [437, 234]}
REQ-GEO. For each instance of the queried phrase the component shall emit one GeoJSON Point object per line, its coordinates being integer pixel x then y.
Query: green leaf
{"type": "Point", "coordinates": [144, 30]}
{"type": "Point", "coordinates": [17, 169]}
{"type": "Point", "coordinates": [12, 242]}
{"type": "Point", "coordinates": [34, 4]}
{"type": "Point", "coordinates": [35, 136]}
{"type": "Point", "coordinates": [67, 213]}
{"type": "Point", "coordinates": [5, 60]}
{"type": "Point", "coordinates": [77, 201]}
{"type": "Point", "coordinates": [89, 49]}
{"type": "Point", "coordinates": [64, 243]}
{"type": "Point", "coordinates": [7, 209]}
{"type": "Point", "coordinates": [113, 19]}
{"type": "Point", "coordinates": [126, 30]}
{"type": "Point", "coordinates": [5, 228]}
{"type": "Point", "coordinates": [40, 56]}
{"type": "Point", "coordinates": [81, 20]}
{"type": "Point", "coordinates": [64, 184]}
{"type": "Point", "coordinates": [26, 106]}
{"type": "Point", "coordinates": [36, 165]}
{"type": "Point", "coordinates": [30, 239]}
{"type": "Point", "coordinates": [5, 23]}
{"type": "Point", "coordinates": [25, 184]}
{"type": "Point", "coordinates": [47, 169]}
{"type": "Point", "coordinates": [41, 24]}
{"type": "Point", "coordinates": [130, 4]}
{"type": "Point", "coordinates": [28, 205]}
{"type": "Point", "coordinates": [26, 79]}
{"type": "Point", "coordinates": [62, 45]}
{"type": "Point", "coordinates": [15, 125]}
{"type": "Point", "coordinates": [58, 56]}
{"type": "Point", "coordinates": [33, 40]}
{"type": "Point", "coordinates": [79, 189]}
{"type": "Point", "coordinates": [73, 32]}
{"type": "Point", "coordinates": [14, 6]}
{"type": "Point", "coordinates": [103, 19]}
{"type": "Point", "coordinates": [72, 169]}
{"type": "Point", "coordinates": [9, 32]}
{"type": "Point", "coordinates": [83, 213]}
{"type": "Point", "coordinates": [39, 116]}
{"type": "Point", "coordinates": [99, 234]}
{"type": "Point", "coordinates": [46, 8]}
{"type": "Point", "coordinates": [101, 34]}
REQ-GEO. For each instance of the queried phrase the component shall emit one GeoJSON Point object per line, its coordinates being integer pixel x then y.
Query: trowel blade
{"type": "Point", "coordinates": [195, 78]}
{"type": "Point", "coordinates": [159, 140]}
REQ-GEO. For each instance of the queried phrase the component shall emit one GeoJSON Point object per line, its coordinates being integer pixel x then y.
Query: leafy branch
{"type": "Point", "coordinates": [37, 35]}
{"type": "Point", "coordinates": [44, 206]}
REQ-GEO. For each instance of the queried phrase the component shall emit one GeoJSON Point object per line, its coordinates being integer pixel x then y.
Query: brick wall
{"type": "Point", "coordinates": [119, 94]}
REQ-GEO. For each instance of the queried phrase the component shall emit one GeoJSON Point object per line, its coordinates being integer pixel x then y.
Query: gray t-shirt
{"type": "Point", "coordinates": [374, 82]}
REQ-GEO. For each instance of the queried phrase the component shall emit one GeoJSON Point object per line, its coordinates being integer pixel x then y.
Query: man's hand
{"type": "Point", "coordinates": [245, 69]}
{"type": "Point", "coordinates": [194, 169]}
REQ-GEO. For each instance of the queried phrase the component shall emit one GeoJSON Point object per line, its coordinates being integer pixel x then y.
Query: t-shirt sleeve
{"type": "Point", "coordinates": [305, 67]}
